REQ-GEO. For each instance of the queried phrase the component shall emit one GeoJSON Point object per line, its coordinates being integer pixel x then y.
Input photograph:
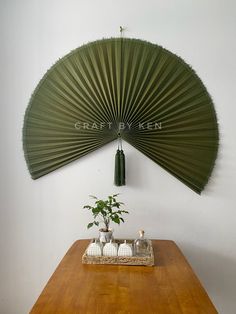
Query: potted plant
{"type": "Point", "coordinates": [106, 211]}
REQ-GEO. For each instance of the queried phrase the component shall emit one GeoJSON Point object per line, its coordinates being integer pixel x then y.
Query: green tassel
{"type": "Point", "coordinates": [119, 168]}
{"type": "Point", "coordinates": [122, 168]}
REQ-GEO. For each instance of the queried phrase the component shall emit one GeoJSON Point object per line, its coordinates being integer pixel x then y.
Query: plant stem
{"type": "Point", "coordinates": [106, 222]}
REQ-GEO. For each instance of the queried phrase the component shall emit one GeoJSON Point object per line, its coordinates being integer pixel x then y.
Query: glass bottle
{"type": "Point", "coordinates": [141, 245]}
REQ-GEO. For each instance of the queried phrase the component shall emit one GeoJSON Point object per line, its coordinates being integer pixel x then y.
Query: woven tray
{"type": "Point", "coordinates": [120, 260]}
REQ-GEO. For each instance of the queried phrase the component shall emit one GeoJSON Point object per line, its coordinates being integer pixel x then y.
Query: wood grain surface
{"type": "Point", "coordinates": [170, 287]}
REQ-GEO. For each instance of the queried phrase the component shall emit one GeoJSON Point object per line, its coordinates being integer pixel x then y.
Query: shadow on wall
{"type": "Point", "coordinates": [139, 170]}
{"type": "Point", "coordinates": [134, 170]}
{"type": "Point", "coordinates": [216, 273]}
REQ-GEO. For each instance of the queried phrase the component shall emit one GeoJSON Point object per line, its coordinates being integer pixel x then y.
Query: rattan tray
{"type": "Point", "coordinates": [120, 260]}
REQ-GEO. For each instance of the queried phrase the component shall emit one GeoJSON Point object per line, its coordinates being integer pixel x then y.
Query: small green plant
{"type": "Point", "coordinates": [105, 211]}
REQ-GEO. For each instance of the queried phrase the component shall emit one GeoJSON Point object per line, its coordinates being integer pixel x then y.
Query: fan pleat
{"type": "Point", "coordinates": [79, 103]}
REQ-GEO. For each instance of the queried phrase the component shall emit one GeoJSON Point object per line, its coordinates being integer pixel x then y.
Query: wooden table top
{"type": "Point", "coordinates": [169, 287]}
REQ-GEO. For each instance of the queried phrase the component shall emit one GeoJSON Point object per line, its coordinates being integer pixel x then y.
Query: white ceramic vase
{"type": "Point", "coordinates": [105, 236]}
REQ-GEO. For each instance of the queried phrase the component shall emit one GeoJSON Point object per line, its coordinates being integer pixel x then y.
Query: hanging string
{"type": "Point", "coordinates": [119, 138]}
{"type": "Point", "coordinates": [120, 142]}
{"type": "Point", "coordinates": [121, 31]}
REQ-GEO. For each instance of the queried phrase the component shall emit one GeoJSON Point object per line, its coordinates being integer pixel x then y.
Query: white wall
{"type": "Point", "coordinates": [41, 219]}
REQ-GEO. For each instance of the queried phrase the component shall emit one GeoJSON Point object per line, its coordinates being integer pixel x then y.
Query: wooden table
{"type": "Point", "coordinates": [168, 287]}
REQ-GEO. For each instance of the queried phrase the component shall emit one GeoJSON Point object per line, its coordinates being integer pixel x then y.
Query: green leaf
{"type": "Point", "coordinates": [90, 225]}
{"type": "Point", "coordinates": [104, 213]}
{"type": "Point", "coordinates": [122, 219]}
{"type": "Point", "coordinates": [95, 210]}
{"type": "Point", "coordinates": [116, 220]}
{"type": "Point", "coordinates": [92, 196]}
{"type": "Point", "coordinates": [95, 215]}
{"type": "Point", "coordinates": [96, 223]}
{"type": "Point", "coordinates": [100, 204]}
{"type": "Point", "coordinates": [109, 209]}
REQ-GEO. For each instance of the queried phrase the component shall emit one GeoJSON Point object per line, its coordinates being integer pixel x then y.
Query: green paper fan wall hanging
{"type": "Point", "coordinates": [128, 89]}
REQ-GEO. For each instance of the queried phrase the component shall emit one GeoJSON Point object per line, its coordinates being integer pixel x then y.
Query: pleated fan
{"type": "Point", "coordinates": [125, 88]}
